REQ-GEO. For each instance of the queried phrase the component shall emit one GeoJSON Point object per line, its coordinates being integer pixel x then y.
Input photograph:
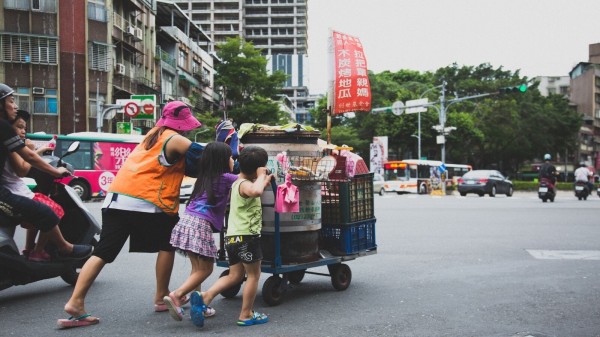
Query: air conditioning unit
{"type": "Point", "coordinates": [38, 91]}
{"type": "Point", "coordinates": [184, 100]}
{"type": "Point", "coordinates": [139, 34]}
{"type": "Point", "coordinates": [130, 30]}
{"type": "Point", "coordinates": [120, 68]}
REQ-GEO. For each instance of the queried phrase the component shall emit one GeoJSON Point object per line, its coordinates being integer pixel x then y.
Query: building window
{"type": "Point", "coordinates": [97, 10]}
{"type": "Point", "coordinates": [22, 96]}
{"type": "Point", "coordinates": [22, 48]}
{"type": "Point", "coordinates": [47, 6]}
{"type": "Point", "coordinates": [46, 104]}
{"type": "Point", "coordinates": [182, 60]}
{"type": "Point", "coordinates": [22, 5]}
{"type": "Point", "coordinates": [98, 56]}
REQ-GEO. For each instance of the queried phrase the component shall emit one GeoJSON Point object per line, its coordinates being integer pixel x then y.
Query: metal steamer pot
{"type": "Point", "coordinates": [299, 232]}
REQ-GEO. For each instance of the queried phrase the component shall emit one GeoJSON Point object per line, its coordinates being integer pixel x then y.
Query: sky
{"type": "Point", "coordinates": [537, 37]}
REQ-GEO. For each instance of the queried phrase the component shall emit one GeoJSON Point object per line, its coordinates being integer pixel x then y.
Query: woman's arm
{"type": "Point", "coordinates": [176, 147]}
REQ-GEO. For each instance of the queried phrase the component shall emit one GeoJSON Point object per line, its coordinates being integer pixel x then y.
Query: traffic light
{"type": "Point", "coordinates": [518, 88]}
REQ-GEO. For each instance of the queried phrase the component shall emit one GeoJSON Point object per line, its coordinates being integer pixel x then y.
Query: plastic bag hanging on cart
{"type": "Point", "coordinates": [288, 197]}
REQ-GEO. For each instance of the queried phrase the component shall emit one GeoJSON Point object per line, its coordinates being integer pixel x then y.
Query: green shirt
{"type": "Point", "coordinates": [245, 214]}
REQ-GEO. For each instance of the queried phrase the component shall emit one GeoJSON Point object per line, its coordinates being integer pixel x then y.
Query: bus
{"type": "Point", "coordinates": [419, 176]}
{"type": "Point", "coordinates": [97, 161]}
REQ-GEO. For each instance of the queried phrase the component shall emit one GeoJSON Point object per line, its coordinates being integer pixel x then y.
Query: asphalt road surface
{"type": "Point", "coordinates": [445, 266]}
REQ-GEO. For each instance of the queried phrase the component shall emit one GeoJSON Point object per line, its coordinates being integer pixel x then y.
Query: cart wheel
{"type": "Point", "coordinates": [232, 291]}
{"type": "Point", "coordinates": [295, 277]}
{"type": "Point", "coordinates": [341, 276]}
{"type": "Point", "coordinates": [272, 290]}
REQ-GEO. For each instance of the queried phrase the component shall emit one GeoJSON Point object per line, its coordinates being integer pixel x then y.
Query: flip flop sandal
{"type": "Point", "coordinates": [198, 309]}
{"type": "Point", "coordinates": [160, 307]}
{"type": "Point", "coordinates": [74, 322]}
{"type": "Point", "coordinates": [209, 312]}
{"type": "Point", "coordinates": [257, 318]}
{"type": "Point", "coordinates": [175, 311]}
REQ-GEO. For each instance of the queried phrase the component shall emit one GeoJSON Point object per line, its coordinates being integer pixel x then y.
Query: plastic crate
{"type": "Point", "coordinates": [347, 201]}
{"type": "Point", "coordinates": [347, 239]}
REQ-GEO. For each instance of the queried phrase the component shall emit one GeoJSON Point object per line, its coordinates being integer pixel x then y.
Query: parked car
{"type": "Point", "coordinates": [378, 184]}
{"type": "Point", "coordinates": [483, 182]}
{"type": "Point", "coordinates": [187, 186]}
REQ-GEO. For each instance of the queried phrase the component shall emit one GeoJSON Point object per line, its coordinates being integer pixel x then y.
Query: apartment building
{"type": "Point", "coordinates": [277, 27]}
{"type": "Point", "coordinates": [585, 97]}
{"type": "Point", "coordinates": [556, 85]}
{"type": "Point", "coordinates": [69, 59]}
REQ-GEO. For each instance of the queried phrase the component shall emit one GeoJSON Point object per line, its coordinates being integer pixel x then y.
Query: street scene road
{"type": "Point", "coordinates": [445, 266]}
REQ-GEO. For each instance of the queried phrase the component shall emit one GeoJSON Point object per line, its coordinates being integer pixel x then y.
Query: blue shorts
{"type": "Point", "coordinates": [243, 248]}
{"type": "Point", "coordinates": [15, 209]}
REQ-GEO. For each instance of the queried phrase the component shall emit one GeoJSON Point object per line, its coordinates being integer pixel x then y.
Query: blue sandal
{"type": "Point", "coordinates": [197, 309]}
{"type": "Point", "coordinates": [257, 318]}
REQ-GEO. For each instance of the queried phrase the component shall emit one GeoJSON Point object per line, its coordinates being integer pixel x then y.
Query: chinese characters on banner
{"type": "Point", "coordinates": [351, 88]}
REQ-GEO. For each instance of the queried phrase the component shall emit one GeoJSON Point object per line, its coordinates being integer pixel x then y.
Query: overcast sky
{"type": "Point", "coordinates": [539, 37]}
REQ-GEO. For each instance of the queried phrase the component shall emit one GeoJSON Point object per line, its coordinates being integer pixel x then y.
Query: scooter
{"type": "Point", "coordinates": [581, 190]}
{"type": "Point", "coordinates": [78, 226]}
{"type": "Point", "coordinates": [546, 190]}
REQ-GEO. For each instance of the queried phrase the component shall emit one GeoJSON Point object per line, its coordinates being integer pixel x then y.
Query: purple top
{"type": "Point", "coordinates": [215, 214]}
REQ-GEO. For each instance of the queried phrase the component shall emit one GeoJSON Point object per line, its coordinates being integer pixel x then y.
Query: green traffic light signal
{"type": "Point", "coordinates": [520, 88]}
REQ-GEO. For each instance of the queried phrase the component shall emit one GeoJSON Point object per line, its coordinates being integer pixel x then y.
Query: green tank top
{"type": "Point", "coordinates": [245, 214]}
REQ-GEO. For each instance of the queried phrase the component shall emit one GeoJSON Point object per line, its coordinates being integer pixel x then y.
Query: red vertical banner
{"type": "Point", "coordinates": [351, 87]}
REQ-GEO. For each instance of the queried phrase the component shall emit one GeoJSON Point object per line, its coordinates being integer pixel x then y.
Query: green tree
{"type": "Point", "coordinates": [250, 92]}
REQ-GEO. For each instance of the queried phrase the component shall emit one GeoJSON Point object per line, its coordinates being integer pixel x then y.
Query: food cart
{"type": "Point", "coordinates": [335, 222]}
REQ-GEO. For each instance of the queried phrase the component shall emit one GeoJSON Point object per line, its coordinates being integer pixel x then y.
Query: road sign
{"type": "Point", "coordinates": [131, 109]}
{"type": "Point", "coordinates": [148, 102]}
{"type": "Point", "coordinates": [124, 127]}
{"type": "Point", "coordinates": [416, 105]}
{"type": "Point", "coordinates": [398, 108]}
{"type": "Point", "coordinates": [148, 109]}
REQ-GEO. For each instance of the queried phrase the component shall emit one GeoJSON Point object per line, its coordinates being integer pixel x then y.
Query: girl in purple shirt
{"type": "Point", "coordinates": [204, 214]}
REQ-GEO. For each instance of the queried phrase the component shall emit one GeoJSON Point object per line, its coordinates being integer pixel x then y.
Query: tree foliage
{"type": "Point", "coordinates": [250, 92]}
{"type": "Point", "coordinates": [496, 131]}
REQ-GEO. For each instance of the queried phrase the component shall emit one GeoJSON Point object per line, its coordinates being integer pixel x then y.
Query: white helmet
{"type": "Point", "coordinates": [547, 156]}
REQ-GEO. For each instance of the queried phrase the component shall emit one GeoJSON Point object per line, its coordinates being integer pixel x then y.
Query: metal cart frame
{"type": "Point", "coordinates": [284, 275]}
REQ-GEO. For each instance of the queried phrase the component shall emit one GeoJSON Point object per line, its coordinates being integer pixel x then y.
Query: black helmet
{"type": "Point", "coordinates": [5, 91]}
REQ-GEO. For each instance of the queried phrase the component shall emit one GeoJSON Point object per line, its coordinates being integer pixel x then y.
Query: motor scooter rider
{"type": "Point", "coordinates": [582, 174]}
{"type": "Point", "coordinates": [14, 207]}
{"type": "Point", "coordinates": [548, 171]}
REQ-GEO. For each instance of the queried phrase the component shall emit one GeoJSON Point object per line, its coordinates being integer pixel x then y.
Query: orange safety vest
{"type": "Point", "coordinates": [142, 176]}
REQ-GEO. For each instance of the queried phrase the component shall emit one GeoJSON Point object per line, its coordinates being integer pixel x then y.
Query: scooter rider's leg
{"type": "Point", "coordinates": [76, 304]}
{"type": "Point", "coordinates": [164, 267]}
{"type": "Point", "coordinates": [65, 248]}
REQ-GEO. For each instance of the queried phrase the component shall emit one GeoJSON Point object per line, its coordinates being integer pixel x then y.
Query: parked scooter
{"type": "Point", "coordinates": [581, 190]}
{"type": "Point", "coordinates": [546, 190]}
{"type": "Point", "coordinates": [78, 226]}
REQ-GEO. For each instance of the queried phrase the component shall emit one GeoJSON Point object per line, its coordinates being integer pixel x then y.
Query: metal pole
{"type": "Point", "coordinates": [419, 136]}
{"type": "Point", "coordinates": [443, 120]}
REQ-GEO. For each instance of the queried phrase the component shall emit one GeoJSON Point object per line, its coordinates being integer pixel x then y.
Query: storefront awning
{"type": "Point", "coordinates": [183, 76]}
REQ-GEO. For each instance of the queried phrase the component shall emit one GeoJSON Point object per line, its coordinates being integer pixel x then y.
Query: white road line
{"type": "Point", "coordinates": [565, 254]}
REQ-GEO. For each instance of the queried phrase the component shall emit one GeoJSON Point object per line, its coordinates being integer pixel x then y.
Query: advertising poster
{"type": "Point", "coordinates": [378, 154]}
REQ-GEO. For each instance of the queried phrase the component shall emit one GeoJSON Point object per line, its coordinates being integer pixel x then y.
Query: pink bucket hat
{"type": "Point", "coordinates": [178, 116]}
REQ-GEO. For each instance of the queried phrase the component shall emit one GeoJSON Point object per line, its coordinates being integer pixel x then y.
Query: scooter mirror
{"type": "Point", "coordinates": [72, 148]}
